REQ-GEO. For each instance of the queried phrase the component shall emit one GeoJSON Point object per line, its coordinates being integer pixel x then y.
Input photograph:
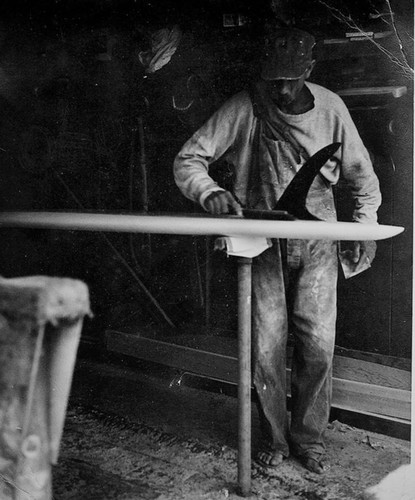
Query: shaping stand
{"type": "Point", "coordinates": [244, 371]}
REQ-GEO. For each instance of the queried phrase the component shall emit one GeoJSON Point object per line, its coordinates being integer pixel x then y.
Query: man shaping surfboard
{"type": "Point", "coordinates": [267, 133]}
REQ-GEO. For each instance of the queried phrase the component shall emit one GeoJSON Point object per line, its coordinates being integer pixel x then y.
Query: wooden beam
{"type": "Point", "coordinates": [209, 364]}
{"type": "Point", "coordinates": [365, 393]}
{"type": "Point", "coordinates": [358, 396]}
{"type": "Point", "coordinates": [371, 373]}
{"type": "Point", "coordinates": [359, 368]}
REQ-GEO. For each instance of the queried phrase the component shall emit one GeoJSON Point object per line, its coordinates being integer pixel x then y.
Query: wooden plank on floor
{"type": "Point", "coordinates": [380, 359]}
{"type": "Point", "coordinates": [394, 427]}
{"type": "Point", "coordinates": [359, 396]}
{"type": "Point", "coordinates": [206, 363]}
{"type": "Point", "coordinates": [359, 370]}
{"type": "Point", "coordinates": [371, 373]}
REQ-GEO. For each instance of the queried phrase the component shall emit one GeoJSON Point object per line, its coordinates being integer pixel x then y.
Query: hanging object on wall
{"type": "Point", "coordinates": [233, 20]}
{"type": "Point", "coordinates": [164, 44]}
{"type": "Point", "coordinates": [193, 100]}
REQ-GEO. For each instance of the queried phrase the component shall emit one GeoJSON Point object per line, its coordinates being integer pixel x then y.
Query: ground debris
{"type": "Point", "coordinates": [339, 426]}
{"type": "Point", "coordinates": [95, 483]}
{"type": "Point", "coordinates": [373, 444]}
{"type": "Point", "coordinates": [139, 440]}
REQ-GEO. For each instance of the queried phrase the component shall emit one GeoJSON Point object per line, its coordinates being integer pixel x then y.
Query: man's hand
{"type": "Point", "coordinates": [222, 202]}
{"type": "Point", "coordinates": [357, 258]}
{"type": "Point", "coordinates": [361, 248]}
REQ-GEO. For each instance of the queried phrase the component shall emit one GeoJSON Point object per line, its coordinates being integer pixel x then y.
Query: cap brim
{"type": "Point", "coordinates": [283, 75]}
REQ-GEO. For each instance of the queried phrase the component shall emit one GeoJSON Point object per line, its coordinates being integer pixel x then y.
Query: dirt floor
{"type": "Point", "coordinates": [132, 435]}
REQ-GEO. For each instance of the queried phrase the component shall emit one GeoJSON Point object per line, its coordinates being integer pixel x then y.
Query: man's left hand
{"type": "Point", "coordinates": [361, 248]}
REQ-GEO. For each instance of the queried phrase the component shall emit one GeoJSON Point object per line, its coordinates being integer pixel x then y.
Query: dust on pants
{"type": "Point", "coordinates": [299, 298]}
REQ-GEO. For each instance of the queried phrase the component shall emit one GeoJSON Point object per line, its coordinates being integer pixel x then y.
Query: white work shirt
{"type": "Point", "coordinates": [230, 133]}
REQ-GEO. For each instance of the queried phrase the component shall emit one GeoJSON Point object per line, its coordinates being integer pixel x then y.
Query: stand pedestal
{"type": "Point", "coordinates": [244, 379]}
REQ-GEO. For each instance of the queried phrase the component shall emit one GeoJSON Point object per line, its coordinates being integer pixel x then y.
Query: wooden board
{"type": "Point", "coordinates": [395, 90]}
{"type": "Point", "coordinates": [353, 395]}
{"type": "Point", "coordinates": [198, 225]}
{"type": "Point", "coordinates": [345, 366]}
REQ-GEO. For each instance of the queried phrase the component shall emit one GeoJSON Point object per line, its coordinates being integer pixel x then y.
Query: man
{"type": "Point", "coordinates": [266, 134]}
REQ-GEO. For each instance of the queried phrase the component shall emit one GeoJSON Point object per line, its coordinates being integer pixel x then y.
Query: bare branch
{"type": "Point", "coordinates": [398, 36]}
{"type": "Point", "coordinates": [404, 65]}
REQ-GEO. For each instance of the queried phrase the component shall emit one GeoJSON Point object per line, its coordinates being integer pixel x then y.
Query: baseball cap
{"type": "Point", "coordinates": [287, 54]}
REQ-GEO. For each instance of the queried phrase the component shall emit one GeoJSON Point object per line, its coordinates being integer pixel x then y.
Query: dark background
{"type": "Point", "coordinates": [83, 126]}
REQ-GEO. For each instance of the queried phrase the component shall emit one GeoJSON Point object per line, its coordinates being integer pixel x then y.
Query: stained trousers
{"type": "Point", "coordinates": [296, 296]}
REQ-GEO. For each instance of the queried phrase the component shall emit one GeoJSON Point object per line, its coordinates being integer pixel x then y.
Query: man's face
{"type": "Point", "coordinates": [284, 92]}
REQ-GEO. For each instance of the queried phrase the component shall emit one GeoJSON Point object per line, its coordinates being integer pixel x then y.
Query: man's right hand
{"type": "Point", "coordinates": [222, 202]}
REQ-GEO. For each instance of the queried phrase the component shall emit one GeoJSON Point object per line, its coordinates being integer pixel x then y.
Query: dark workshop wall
{"type": "Point", "coordinates": [84, 124]}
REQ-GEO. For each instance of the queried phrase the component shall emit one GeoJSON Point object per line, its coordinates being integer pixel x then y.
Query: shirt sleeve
{"type": "Point", "coordinates": [358, 171]}
{"type": "Point", "coordinates": [212, 141]}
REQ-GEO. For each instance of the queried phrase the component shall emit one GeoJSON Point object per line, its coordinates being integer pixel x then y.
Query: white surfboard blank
{"type": "Point", "coordinates": [198, 225]}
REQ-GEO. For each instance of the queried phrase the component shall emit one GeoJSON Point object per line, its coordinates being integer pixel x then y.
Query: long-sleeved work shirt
{"type": "Point", "coordinates": [230, 134]}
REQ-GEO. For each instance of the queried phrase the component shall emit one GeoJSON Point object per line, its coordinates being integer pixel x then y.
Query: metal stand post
{"type": "Point", "coordinates": [244, 380]}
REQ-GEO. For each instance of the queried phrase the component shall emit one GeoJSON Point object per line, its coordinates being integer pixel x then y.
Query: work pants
{"type": "Point", "coordinates": [294, 292]}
